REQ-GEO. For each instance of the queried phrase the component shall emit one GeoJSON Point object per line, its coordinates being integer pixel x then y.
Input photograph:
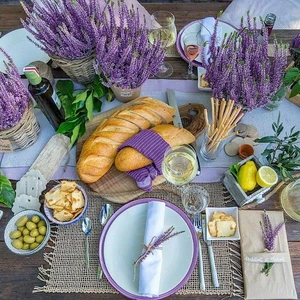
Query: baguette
{"type": "Point", "coordinates": [100, 149]}
{"type": "Point", "coordinates": [129, 159]}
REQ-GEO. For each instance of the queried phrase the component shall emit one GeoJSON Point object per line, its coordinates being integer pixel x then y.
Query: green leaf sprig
{"type": "Point", "coordinates": [234, 170]}
{"type": "Point", "coordinates": [7, 192]}
{"type": "Point", "coordinates": [292, 78]}
{"type": "Point", "coordinates": [80, 105]}
{"type": "Point", "coordinates": [283, 154]}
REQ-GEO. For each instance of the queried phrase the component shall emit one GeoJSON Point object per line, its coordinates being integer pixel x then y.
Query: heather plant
{"type": "Point", "coordinates": [240, 69]}
{"type": "Point", "coordinates": [124, 55]}
{"type": "Point", "coordinates": [63, 28]}
{"type": "Point", "coordinates": [14, 96]}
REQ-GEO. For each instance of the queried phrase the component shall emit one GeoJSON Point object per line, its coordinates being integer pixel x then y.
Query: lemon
{"type": "Point", "coordinates": [246, 176]}
{"type": "Point", "coordinates": [266, 177]}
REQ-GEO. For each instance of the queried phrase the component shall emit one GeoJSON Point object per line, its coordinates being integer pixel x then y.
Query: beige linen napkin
{"type": "Point", "coordinates": [280, 282]}
{"type": "Point", "coordinates": [150, 267]}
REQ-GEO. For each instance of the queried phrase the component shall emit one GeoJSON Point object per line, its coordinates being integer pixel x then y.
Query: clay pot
{"type": "Point", "coordinates": [245, 150]}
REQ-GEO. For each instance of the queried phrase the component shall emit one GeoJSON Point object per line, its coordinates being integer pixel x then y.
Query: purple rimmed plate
{"type": "Point", "coordinates": [196, 26]}
{"type": "Point", "coordinates": [120, 246]}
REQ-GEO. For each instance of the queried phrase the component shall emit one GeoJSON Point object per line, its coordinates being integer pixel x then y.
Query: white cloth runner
{"type": "Point", "coordinates": [150, 267]}
{"type": "Point", "coordinates": [207, 30]}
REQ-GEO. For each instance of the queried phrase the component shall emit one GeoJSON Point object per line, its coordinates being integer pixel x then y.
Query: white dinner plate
{"type": "Point", "coordinates": [21, 49]}
{"type": "Point", "coordinates": [120, 246]}
{"type": "Point", "coordinates": [196, 26]}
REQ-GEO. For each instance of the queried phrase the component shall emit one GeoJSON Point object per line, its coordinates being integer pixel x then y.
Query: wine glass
{"type": "Point", "coordinates": [191, 45]}
{"type": "Point", "coordinates": [179, 167]}
{"type": "Point", "coordinates": [163, 29]}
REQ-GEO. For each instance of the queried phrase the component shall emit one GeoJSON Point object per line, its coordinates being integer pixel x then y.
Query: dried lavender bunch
{"type": "Point", "coordinates": [123, 53]}
{"type": "Point", "coordinates": [269, 236]}
{"type": "Point", "coordinates": [240, 68]}
{"type": "Point", "coordinates": [63, 28]}
{"type": "Point", "coordinates": [295, 50]}
{"type": "Point", "coordinates": [155, 244]}
{"type": "Point", "coordinates": [14, 96]}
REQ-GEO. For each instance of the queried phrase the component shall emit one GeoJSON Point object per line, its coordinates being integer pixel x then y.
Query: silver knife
{"type": "Point", "coordinates": [177, 120]}
{"type": "Point", "coordinates": [210, 253]}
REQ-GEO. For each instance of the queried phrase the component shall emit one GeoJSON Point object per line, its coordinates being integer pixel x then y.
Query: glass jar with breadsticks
{"type": "Point", "coordinates": [224, 117]}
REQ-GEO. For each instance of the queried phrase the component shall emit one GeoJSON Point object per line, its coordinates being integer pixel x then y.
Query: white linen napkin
{"type": "Point", "coordinates": [207, 30]}
{"type": "Point", "coordinates": [150, 267]}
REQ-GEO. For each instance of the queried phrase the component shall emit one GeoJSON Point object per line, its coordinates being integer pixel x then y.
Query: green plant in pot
{"type": "Point", "coordinates": [292, 74]}
{"type": "Point", "coordinates": [282, 152]}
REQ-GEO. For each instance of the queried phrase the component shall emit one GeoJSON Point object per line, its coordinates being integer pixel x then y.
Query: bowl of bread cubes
{"type": "Point", "coordinates": [222, 223]}
{"type": "Point", "coordinates": [66, 203]}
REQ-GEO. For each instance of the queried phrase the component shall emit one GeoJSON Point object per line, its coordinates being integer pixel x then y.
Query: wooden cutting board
{"type": "Point", "coordinates": [118, 187]}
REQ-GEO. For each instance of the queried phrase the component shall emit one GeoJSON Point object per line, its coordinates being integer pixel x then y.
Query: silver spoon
{"type": "Point", "coordinates": [86, 228]}
{"type": "Point", "coordinates": [104, 215]}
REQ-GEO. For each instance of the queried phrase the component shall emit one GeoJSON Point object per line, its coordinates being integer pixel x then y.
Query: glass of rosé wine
{"type": "Point", "coordinates": [191, 42]}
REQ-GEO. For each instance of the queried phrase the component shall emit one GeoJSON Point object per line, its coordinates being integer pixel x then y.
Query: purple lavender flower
{"type": "Point", "coordinates": [240, 69]}
{"type": "Point", "coordinates": [269, 235]}
{"type": "Point", "coordinates": [63, 28]}
{"type": "Point", "coordinates": [14, 96]}
{"type": "Point", "coordinates": [124, 55]}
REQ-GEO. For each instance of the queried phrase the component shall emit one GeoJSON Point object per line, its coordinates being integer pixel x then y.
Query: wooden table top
{"type": "Point", "coordinates": [19, 274]}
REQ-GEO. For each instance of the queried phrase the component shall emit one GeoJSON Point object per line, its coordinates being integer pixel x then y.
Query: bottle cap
{"type": "Point", "coordinates": [32, 74]}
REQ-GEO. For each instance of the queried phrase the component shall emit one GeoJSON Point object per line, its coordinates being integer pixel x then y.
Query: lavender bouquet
{"type": "Point", "coordinates": [240, 69]}
{"type": "Point", "coordinates": [63, 28]}
{"type": "Point", "coordinates": [14, 96]}
{"type": "Point", "coordinates": [124, 55]}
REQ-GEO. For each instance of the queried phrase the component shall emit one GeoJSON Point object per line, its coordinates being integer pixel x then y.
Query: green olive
{"type": "Point", "coordinates": [30, 225]}
{"type": "Point", "coordinates": [35, 219]}
{"type": "Point", "coordinates": [39, 238]}
{"type": "Point", "coordinates": [33, 245]}
{"type": "Point", "coordinates": [29, 239]}
{"type": "Point", "coordinates": [21, 238]}
{"type": "Point", "coordinates": [34, 232]}
{"type": "Point", "coordinates": [22, 221]}
{"type": "Point", "coordinates": [15, 234]}
{"type": "Point", "coordinates": [25, 232]}
{"type": "Point", "coordinates": [41, 223]}
{"type": "Point", "coordinates": [21, 228]}
{"type": "Point", "coordinates": [25, 246]}
{"type": "Point", "coordinates": [17, 244]}
{"type": "Point", "coordinates": [42, 230]}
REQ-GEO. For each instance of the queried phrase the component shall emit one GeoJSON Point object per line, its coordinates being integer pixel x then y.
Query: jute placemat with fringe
{"type": "Point", "coordinates": [65, 270]}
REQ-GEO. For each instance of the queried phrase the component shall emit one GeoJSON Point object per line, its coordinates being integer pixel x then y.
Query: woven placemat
{"type": "Point", "coordinates": [66, 272]}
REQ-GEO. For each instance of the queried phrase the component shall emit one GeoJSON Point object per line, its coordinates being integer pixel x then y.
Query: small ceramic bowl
{"type": "Point", "coordinates": [232, 211]}
{"type": "Point", "coordinates": [49, 212]}
{"type": "Point", "coordinates": [11, 226]}
{"type": "Point", "coordinates": [245, 150]}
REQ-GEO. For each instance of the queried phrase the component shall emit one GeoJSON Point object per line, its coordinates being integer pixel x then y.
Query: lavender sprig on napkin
{"type": "Point", "coordinates": [269, 236]}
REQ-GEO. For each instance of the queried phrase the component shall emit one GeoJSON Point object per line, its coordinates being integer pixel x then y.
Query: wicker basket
{"type": "Point", "coordinates": [22, 135]}
{"type": "Point", "coordinates": [79, 70]}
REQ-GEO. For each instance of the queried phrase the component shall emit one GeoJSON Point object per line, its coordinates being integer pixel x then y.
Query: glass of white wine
{"type": "Point", "coordinates": [179, 167]}
{"type": "Point", "coordinates": [191, 42]}
{"type": "Point", "coordinates": [163, 29]}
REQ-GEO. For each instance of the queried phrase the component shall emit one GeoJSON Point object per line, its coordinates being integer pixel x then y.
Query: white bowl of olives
{"type": "Point", "coordinates": [27, 232]}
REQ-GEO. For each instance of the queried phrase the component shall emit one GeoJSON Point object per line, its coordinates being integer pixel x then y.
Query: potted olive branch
{"type": "Point", "coordinates": [282, 153]}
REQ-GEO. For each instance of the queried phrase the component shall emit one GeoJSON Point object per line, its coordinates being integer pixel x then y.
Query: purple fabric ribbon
{"type": "Point", "coordinates": [153, 146]}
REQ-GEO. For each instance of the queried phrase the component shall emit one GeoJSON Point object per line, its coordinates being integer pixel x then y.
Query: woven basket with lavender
{"type": "Point", "coordinates": [18, 125]}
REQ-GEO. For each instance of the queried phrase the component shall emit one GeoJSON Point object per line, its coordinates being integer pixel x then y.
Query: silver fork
{"type": "Point", "coordinates": [210, 253]}
{"type": "Point", "coordinates": [198, 228]}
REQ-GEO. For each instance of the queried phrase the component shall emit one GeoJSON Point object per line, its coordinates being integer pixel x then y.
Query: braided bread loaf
{"type": "Point", "coordinates": [100, 149]}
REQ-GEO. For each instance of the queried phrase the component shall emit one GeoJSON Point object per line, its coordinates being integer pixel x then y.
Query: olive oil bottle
{"type": "Point", "coordinates": [45, 96]}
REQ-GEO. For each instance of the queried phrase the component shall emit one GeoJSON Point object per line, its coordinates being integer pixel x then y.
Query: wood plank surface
{"type": "Point", "coordinates": [18, 274]}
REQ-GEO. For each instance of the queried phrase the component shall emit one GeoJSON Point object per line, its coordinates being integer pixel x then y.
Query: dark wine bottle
{"type": "Point", "coordinates": [45, 96]}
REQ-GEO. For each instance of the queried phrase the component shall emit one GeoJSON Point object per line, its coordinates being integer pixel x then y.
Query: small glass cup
{"type": "Point", "coordinates": [210, 148]}
{"type": "Point", "coordinates": [194, 199]}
